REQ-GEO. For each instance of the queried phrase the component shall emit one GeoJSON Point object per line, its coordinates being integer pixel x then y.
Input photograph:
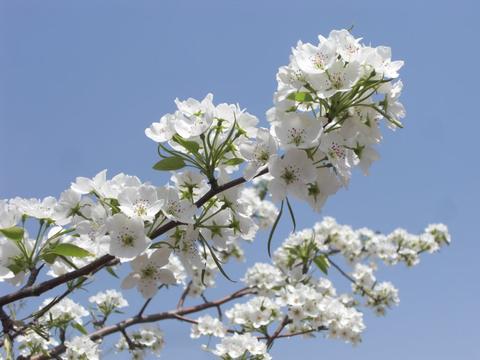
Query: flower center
{"type": "Point", "coordinates": [149, 272]}
{"type": "Point", "coordinates": [296, 136]}
{"type": "Point", "coordinates": [127, 240]}
{"type": "Point", "coordinates": [290, 174]}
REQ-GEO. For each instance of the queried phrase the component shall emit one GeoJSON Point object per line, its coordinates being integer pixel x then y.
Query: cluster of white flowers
{"type": "Point", "coordinates": [289, 291]}
{"type": "Point", "coordinates": [328, 105]}
{"type": "Point", "coordinates": [81, 348]}
{"type": "Point", "coordinates": [63, 312]}
{"type": "Point", "coordinates": [140, 342]}
{"type": "Point", "coordinates": [258, 312]}
{"type": "Point", "coordinates": [326, 120]}
{"type": "Point", "coordinates": [108, 301]}
{"type": "Point", "coordinates": [32, 343]}
{"type": "Point", "coordinates": [207, 326]}
{"type": "Point", "coordinates": [240, 346]}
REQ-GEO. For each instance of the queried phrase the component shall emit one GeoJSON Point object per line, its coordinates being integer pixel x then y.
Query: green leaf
{"type": "Point", "coordinates": [191, 146]}
{"type": "Point", "coordinates": [215, 259]}
{"type": "Point", "coordinates": [171, 163]}
{"type": "Point", "coordinates": [269, 243]}
{"type": "Point", "coordinates": [322, 263]}
{"type": "Point", "coordinates": [49, 257]}
{"type": "Point", "coordinates": [79, 327]}
{"type": "Point", "coordinates": [292, 215]}
{"type": "Point", "coordinates": [68, 250]}
{"type": "Point", "coordinates": [111, 271]}
{"type": "Point", "coordinates": [300, 97]}
{"type": "Point", "coordinates": [14, 233]}
{"type": "Point", "coordinates": [233, 162]}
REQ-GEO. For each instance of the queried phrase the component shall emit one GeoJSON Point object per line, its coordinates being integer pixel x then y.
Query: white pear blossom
{"type": "Point", "coordinates": [163, 130]}
{"type": "Point", "coordinates": [149, 272]}
{"type": "Point", "coordinates": [258, 152]}
{"type": "Point", "coordinates": [238, 345]}
{"type": "Point", "coordinates": [127, 237]}
{"type": "Point", "coordinates": [81, 348]}
{"type": "Point", "coordinates": [9, 214]}
{"type": "Point", "coordinates": [297, 130]}
{"type": "Point", "coordinates": [64, 311]}
{"type": "Point", "coordinates": [193, 117]}
{"type": "Point", "coordinates": [142, 202]}
{"type": "Point", "coordinates": [207, 326]}
{"type": "Point", "coordinates": [108, 300]}
{"type": "Point", "coordinates": [177, 209]}
{"type": "Point", "coordinates": [291, 174]}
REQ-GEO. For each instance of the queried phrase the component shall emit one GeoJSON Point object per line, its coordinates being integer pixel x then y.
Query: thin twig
{"type": "Point", "coordinates": [181, 301]}
{"type": "Point", "coordinates": [108, 330]}
{"type": "Point", "coordinates": [278, 330]}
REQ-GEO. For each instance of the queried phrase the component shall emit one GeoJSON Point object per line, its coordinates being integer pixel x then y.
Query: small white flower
{"type": "Point", "coordinates": [163, 130]}
{"type": "Point", "coordinates": [9, 215]}
{"type": "Point", "coordinates": [81, 348]}
{"type": "Point", "coordinates": [149, 272]}
{"type": "Point", "coordinates": [258, 152]}
{"type": "Point", "coordinates": [237, 345]}
{"type": "Point", "coordinates": [84, 185]}
{"type": "Point", "coordinates": [64, 311]}
{"type": "Point", "coordinates": [291, 174]}
{"type": "Point", "coordinates": [127, 236]}
{"type": "Point", "coordinates": [142, 202]}
{"type": "Point", "coordinates": [325, 184]}
{"type": "Point", "coordinates": [109, 299]}
{"type": "Point", "coordinates": [194, 117]}
{"type": "Point", "coordinates": [177, 209]}
{"type": "Point", "coordinates": [314, 59]}
{"type": "Point", "coordinates": [297, 130]}
{"type": "Point", "coordinates": [338, 78]}
{"type": "Point", "coordinates": [207, 325]}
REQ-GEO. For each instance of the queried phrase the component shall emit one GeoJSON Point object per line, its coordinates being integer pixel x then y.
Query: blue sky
{"type": "Point", "coordinates": [79, 82]}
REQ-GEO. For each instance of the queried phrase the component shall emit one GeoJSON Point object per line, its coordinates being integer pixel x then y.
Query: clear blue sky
{"type": "Point", "coordinates": [80, 80]}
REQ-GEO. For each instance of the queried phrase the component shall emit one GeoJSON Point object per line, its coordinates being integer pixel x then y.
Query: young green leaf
{"type": "Point", "coordinates": [69, 250]}
{"type": "Point", "coordinates": [269, 243]}
{"type": "Point", "coordinates": [79, 327]}
{"type": "Point", "coordinates": [300, 97]}
{"type": "Point", "coordinates": [233, 162]}
{"type": "Point", "coordinates": [171, 163]}
{"type": "Point", "coordinates": [191, 146]}
{"type": "Point", "coordinates": [292, 215]}
{"type": "Point", "coordinates": [322, 263]}
{"type": "Point", "coordinates": [14, 233]}
{"type": "Point", "coordinates": [111, 271]}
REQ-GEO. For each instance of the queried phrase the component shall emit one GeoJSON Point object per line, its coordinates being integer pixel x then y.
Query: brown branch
{"type": "Point", "coordinates": [288, 335]}
{"type": "Point", "coordinates": [175, 314]}
{"type": "Point", "coordinates": [281, 326]}
{"type": "Point", "coordinates": [37, 290]}
{"type": "Point", "coordinates": [30, 289]}
{"type": "Point", "coordinates": [199, 203]}
{"type": "Point", "coordinates": [184, 295]}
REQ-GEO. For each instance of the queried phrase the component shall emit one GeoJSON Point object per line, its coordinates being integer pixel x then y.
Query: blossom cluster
{"type": "Point", "coordinates": [295, 292]}
{"type": "Point", "coordinates": [326, 119]}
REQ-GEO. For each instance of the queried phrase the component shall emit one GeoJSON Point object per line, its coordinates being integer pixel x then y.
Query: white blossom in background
{"type": "Point", "coordinates": [81, 348]}
{"type": "Point", "coordinates": [207, 326]}
{"type": "Point", "coordinates": [64, 311]}
{"type": "Point", "coordinates": [31, 343]}
{"type": "Point", "coordinates": [239, 345]}
{"type": "Point", "coordinates": [108, 300]}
